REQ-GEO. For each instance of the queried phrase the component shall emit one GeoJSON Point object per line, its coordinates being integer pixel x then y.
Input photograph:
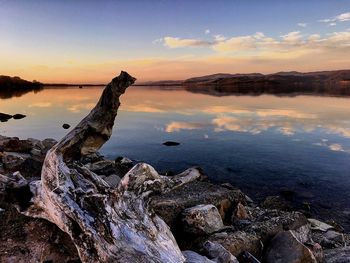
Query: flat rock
{"type": "Point", "coordinates": [171, 143]}
{"type": "Point", "coordinates": [124, 161]}
{"type": "Point", "coordinates": [277, 202]}
{"type": "Point", "coordinates": [18, 116]}
{"type": "Point", "coordinates": [334, 236]}
{"type": "Point", "coordinates": [14, 144]}
{"type": "Point", "coordinates": [318, 225]}
{"type": "Point", "coordinates": [169, 206]}
{"type": "Point", "coordinates": [12, 161]}
{"type": "Point", "coordinates": [28, 240]}
{"type": "Point", "coordinates": [267, 223]}
{"type": "Point", "coordinates": [112, 180]}
{"type": "Point", "coordinates": [4, 117]}
{"type": "Point", "coordinates": [337, 255]}
{"type": "Point", "coordinates": [238, 241]}
{"type": "Point", "coordinates": [285, 248]}
{"type": "Point", "coordinates": [193, 257]}
{"type": "Point", "coordinates": [218, 253]}
{"type": "Point", "coordinates": [201, 220]}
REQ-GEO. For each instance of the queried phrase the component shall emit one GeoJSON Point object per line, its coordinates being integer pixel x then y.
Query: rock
{"type": "Point", "coordinates": [171, 143]}
{"type": "Point", "coordinates": [193, 257]}
{"type": "Point", "coordinates": [170, 205]}
{"type": "Point", "coordinates": [285, 248]}
{"type": "Point", "coordinates": [112, 180]}
{"type": "Point", "coordinates": [91, 158]}
{"type": "Point", "coordinates": [276, 202]}
{"type": "Point", "coordinates": [267, 223]}
{"type": "Point", "coordinates": [28, 240]}
{"type": "Point", "coordinates": [246, 257]}
{"type": "Point", "coordinates": [12, 161]}
{"type": "Point", "coordinates": [36, 152]}
{"type": "Point", "coordinates": [335, 236]}
{"type": "Point", "coordinates": [337, 255]}
{"type": "Point", "coordinates": [238, 241]}
{"type": "Point", "coordinates": [317, 251]}
{"type": "Point", "coordinates": [303, 233]}
{"type": "Point", "coordinates": [218, 253]}
{"type": "Point", "coordinates": [14, 144]}
{"type": "Point", "coordinates": [240, 213]}
{"type": "Point", "coordinates": [329, 239]}
{"type": "Point", "coordinates": [31, 167]}
{"type": "Point", "coordinates": [124, 161]}
{"type": "Point", "coordinates": [48, 143]}
{"type": "Point", "coordinates": [18, 116]}
{"type": "Point", "coordinates": [65, 126]}
{"type": "Point", "coordinates": [4, 117]}
{"type": "Point", "coordinates": [104, 167]}
{"type": "Point", "coordinates": [202, 219]}
{"type": "Point", "coordinates": [318, 225]}
{"type": "Point", "coordinates": [248, 199]}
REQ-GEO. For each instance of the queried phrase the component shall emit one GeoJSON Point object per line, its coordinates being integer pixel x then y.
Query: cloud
{"type": "Point", "coordinates": [334, 20]}
{"type": "Point", "coordinates": [290, 45]}
{"type": "Point", "coordinates": [207, 31]}
{"type": "Point", "coordinates": [77, 108]}
{"type": "Point", "coordinates": [158, 40]}
{"type": "Point", "coordinates": [177, 126]}
{"type": "Point", "coordinates": [302, 24]}
{"type": "Point", "coordinates": [175, 42]}
{"type": "Point", "coordinates": [292, 37]}
{"type": "Point", "coordinates": [336, 147]}
{"type": "Point", "coordinates": [40, 105]}
{"type": "Point", "coordinates": [143, 108]}
{"type": "Point", "coordinates": [235, 44]}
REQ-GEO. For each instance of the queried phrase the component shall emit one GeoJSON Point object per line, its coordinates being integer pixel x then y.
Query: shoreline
{"type": "Point", "coordinates": [242, 218]}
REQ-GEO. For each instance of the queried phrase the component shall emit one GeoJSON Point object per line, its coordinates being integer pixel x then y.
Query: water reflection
{"type": "Point", "coordinates": [8, 94]}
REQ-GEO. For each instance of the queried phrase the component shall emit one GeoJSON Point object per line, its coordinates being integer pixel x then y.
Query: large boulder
{"type": "Point", "coordinates": [169, 206]}
{"type": "Point", "coordinates": [286, 248]}
{"type": "Point", "coordinates": [201, 220]}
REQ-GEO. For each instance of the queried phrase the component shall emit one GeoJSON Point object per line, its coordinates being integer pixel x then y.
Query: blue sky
{"type": "Point", "coordinates": [65, 37]}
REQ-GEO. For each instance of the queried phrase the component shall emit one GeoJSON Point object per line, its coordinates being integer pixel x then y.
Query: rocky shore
{"type": "Point", "coordinates": [211, 223]}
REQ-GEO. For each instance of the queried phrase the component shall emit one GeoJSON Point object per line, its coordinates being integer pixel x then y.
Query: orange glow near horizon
{"type": "Point", "coordinates": [162, 69]}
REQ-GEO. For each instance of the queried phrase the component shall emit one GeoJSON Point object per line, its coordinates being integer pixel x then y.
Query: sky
{"type": "Point", "coordinates": [92, 41]}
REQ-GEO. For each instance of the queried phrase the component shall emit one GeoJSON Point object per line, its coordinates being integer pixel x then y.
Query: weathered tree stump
{"type": "Point", "coordinates": [105, 224]}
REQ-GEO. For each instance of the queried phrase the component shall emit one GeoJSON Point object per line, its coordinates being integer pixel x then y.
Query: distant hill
{"type": "Point", "coordinates": [7, 82]}
{"type": "Point", "coordinates": [161, 83]}
{"type": "Point", "coordinates": [15, 86]}
{"type": "Point", "coordinates": [323, 82]}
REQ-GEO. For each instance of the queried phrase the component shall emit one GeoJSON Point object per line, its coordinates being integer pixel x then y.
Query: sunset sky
{"type": "Point", "coordinates": [91, 41]}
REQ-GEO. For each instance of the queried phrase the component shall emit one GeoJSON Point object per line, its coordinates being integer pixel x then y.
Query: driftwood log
{"type": "Point", "coordinates": [105, 224]}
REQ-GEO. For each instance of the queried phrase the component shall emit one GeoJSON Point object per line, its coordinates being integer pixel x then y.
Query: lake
{"type": "Point", "coordinates": [261, 144]}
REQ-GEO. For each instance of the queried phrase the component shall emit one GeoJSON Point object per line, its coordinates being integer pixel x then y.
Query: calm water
{"type": "Point", "coordinates": [263, 144]}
